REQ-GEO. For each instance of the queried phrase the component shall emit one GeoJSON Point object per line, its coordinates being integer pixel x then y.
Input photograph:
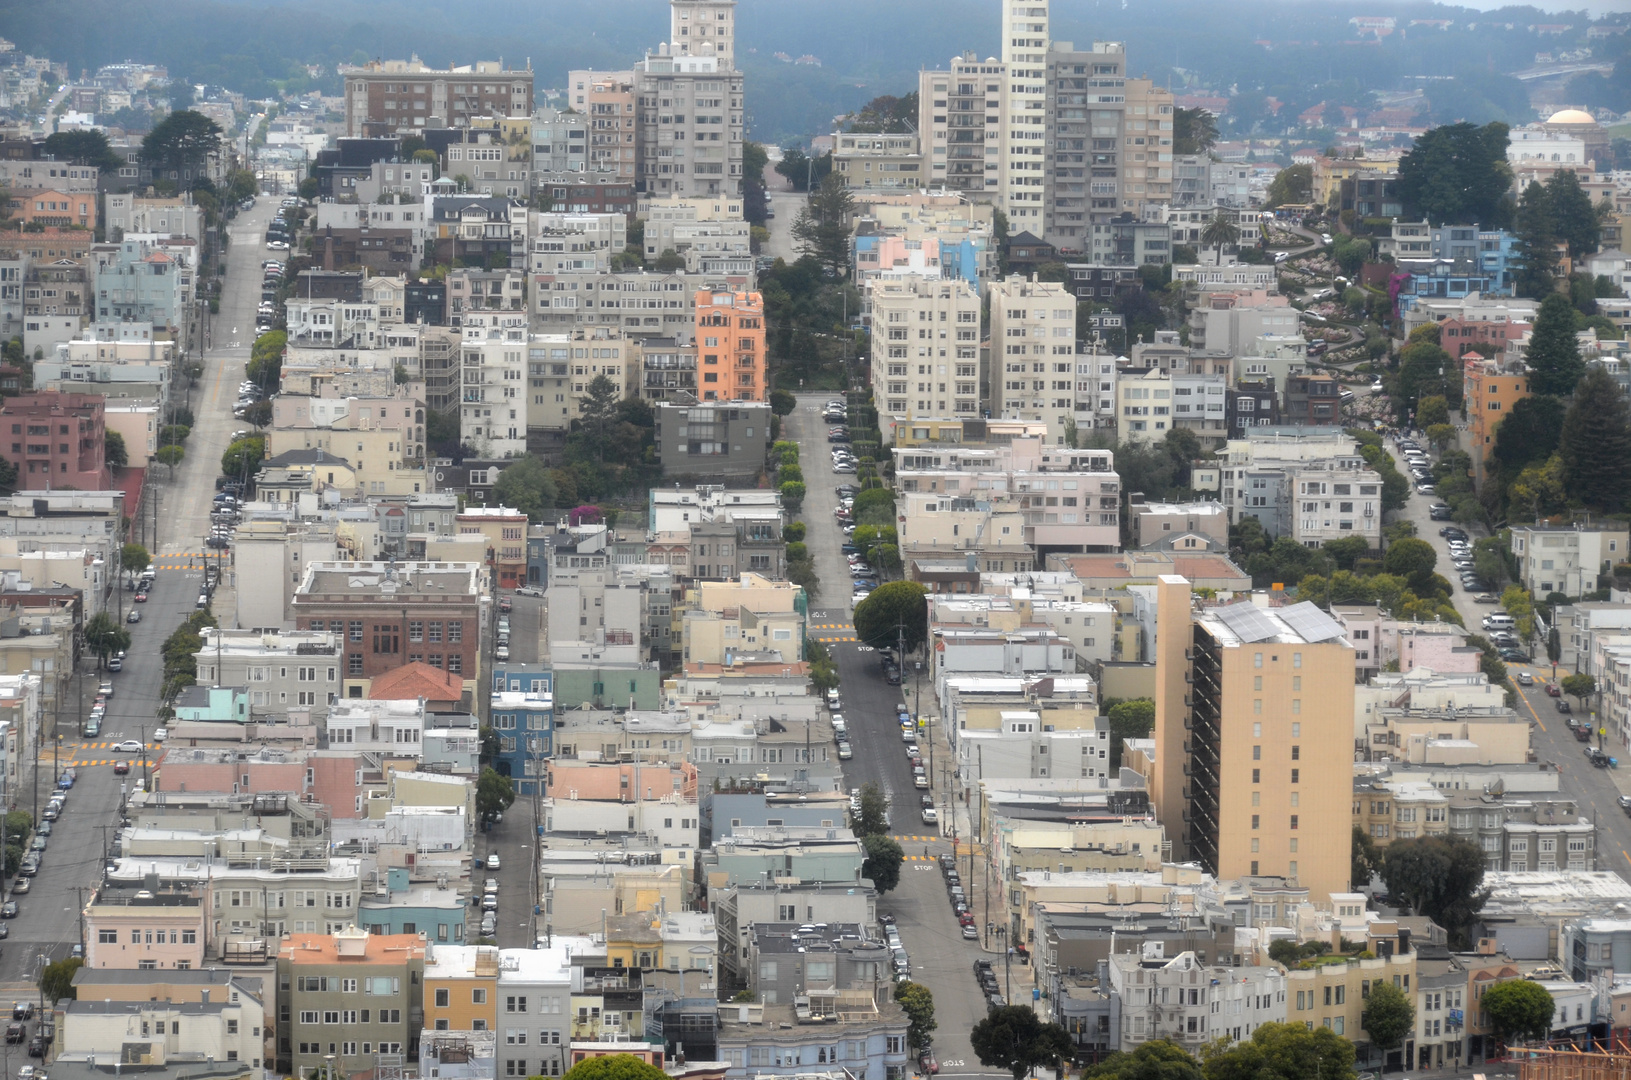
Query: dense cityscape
{"type": "Point", "coordinates": [432, 642]}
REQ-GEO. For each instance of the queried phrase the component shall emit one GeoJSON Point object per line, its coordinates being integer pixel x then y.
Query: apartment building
{"type": "Point", "coordinates": [1306, 483]}
{"type": "Point", "coordinates": [877, 160]}
{"type": "Point", "coordinates": [562, 367]}
{"type": "Point", "coordinates": [1233, 739]}
{"type": "Point", "coordinates": [724, 441]}
{"type": "Point", "coordinates": [1025, 55]}
{"type": "Point", "coordinates": [961, 121]}
{"type": "Point", "coordinates": [566, 241]}
{"type": "Point", "coordinates": [144, 930]}
{"type": "Point", "coordinates": [350, 994]}
{"type": "Point", "coordinates": [1182, 1000]}
{"type": "Point", "coordinates": [1566, 558]}
{"type": "Point", "coordinates": [608, 102]}
{"type": "Point", "coordinates": [925, 349]}
{"type": "Point", "coordinates": [1085, 99]}
{"type": "Point", "coordinates": [1033, 350]}
{"type": "Point", "coordinates": [57, 440]}
{"type": "Point", "coordinates": [710, 234]}
{"type": "Point", "coordinates": [1489, 388]}
{"type": "Point", "coordinates": [643, 304]}
{"type": "Point", "coordinates": [691, 119]}
{"type": "Point", "coordinates": [730, 335]}
{"type": "Point", "coordinates": [405, 96]}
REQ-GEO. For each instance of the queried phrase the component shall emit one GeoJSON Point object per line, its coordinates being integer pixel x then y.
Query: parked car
{"type": "Point", "coordinates": [1562, 706]}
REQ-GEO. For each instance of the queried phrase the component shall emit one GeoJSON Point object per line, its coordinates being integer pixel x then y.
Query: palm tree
{"type": "Point", "coordinates": [1219, 233]}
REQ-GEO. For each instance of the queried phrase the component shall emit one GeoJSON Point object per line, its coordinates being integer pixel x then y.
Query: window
{"type": "Point", "coordinates": [107, 937]}
{"type": "Point", "coordinates": [442, 996]}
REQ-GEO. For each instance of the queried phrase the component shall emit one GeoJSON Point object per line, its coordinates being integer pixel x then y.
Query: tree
{"type": "Point", "coordinates": [1389, 1015]}
{"type": "Point", "coordinates": [1595, 445]}
{"type": "Point", "coordinates": [1432, 410]}
{"type": "Point", "coordinates": [1553, 355]}
{"type": "Point", "coordinates": [893, 615]}
{"type": "Point", "coordinates": [494, 793]}
{"type": "Point", "coordinates": [1537, 245]}
{"type": "Point", "coordinates": [133, 559]}
{"type": "Point", "coordinates": [1519, 1009]}
{"type": "Point", "coordinates": [883, 862]}
{"type": "Point", "coordinates": [614, 1067]}
{"type": "Point", "coordinates": [258, 414]}
{"type": "Point", "coordinates": [782, 402]}
{"type": "Point", "coordinates": [1294, 185]}
{"type": "Point", "coordinates": [171, 456]}
{"type": "Point", "coordinates": [1194, 131]}
{"type": "Point", "coordinates": [1422, 368]}
{"type": "Point", "coordinates": [1159, 1059]}
{"type": "Point", "coordinates": [1457, 174]}
{"type": "Point", "coordinates": [181, 141]}
{"type": "Point", "coordinates": [1528, 434]}
{"type": "Point", "coordinates": [1366, 859]}
{"type": "Point", "coordinates": [1579, 687]}
{"type": "Point", "coordinates": [174, 433]}
{"type": "Point", "coordinates": [244, 456]}
{"type": "Point", "coordinates": [1281, 1052]}
{"type": "Point", "coordinates": [265, 366]}
{"type": "Point", "coordinates": [1016, 1039]}
{"type": "Point", "coordinates": [87, 146]}
{"type": "Point", "coordinates": [8, 477]}
{"type": "Point", "coordinates": [1439, 877]}
{"type": "Point", "coordinates": [1220, 232]}
{"type": "Point", "coordinates": [822, 229]}
{"type": "Point", "coordinates": [1347, 551]}
{"type": "Point", "coordinates": [1411, 559]}
{"type": "Point", "coordinates": [57, 980]}
{"type": "Point", "coordinates": [1133, 719]}
{"type": "Point", "coordinates": [104, 636]}
{"type": "Point", "coordinates": [526, 485]}
{"type": "Point", "coordinates": [885, 114]}
{"type": "Point", "coordinates": [1574, 219]}
{"type": "Point", "coordinates": [113, 450]}
{"type": "Point", "coordinates": [873, 817]}
{"type": "Point", "coordinates": [917, 1001]}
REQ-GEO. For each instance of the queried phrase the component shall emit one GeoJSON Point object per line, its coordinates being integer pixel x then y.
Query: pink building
{"type": "Point", "coordinates": [135, 930]}
{"type": "Point", "coordinates": [217, 769]}
{"type": "Point", "coordinates": [1488, 336]}
{"type": "Point", "coordinates": [619, 782]}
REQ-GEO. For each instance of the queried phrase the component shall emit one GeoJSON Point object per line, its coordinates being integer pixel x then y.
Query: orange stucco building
{"type": "Point", "coordinates": [731, 346]}
{"type": "Point", "coordinates": [1491, 388]}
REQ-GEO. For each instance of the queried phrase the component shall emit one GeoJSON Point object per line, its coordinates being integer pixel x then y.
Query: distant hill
{"type": "Point", "coordinates": [1295, 51]}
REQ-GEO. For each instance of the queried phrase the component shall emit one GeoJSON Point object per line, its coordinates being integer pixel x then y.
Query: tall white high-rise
{"type": "Point", "coordinates": [704, 28]}
{"type": "Point", "coordinates": [1025, 52]}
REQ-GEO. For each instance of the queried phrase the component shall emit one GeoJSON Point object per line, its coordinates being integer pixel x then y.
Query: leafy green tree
{"type": "Point", "coordinates": [181, 141]}
{"type": "Point", "coordinates": [1529, 433]}
{"type": "Point", "coordinates": [175, 433]}
{"type": "Point", "coordinates": [917, 1001]}
{"type": "Point", "coordinates": [1293, 185]}
{"type": "Point", "coordinates": [1579, 687]}
{"type": "Point", "coordinates": [1555, 365]}
{"type": "Point", "coordinates": [133, 559]}
{"type": "Point", "coordinates": [114, 452]}
{"type": "Point", "coordinates": [1537, 247]}
{"type": "Point", "coordinates": [1432, 410]}
{"type": "Point", "coordinates": [104, 636]}
{"type": "Point", "coordinates": [87, 146]}
{"type": "Point", "coordinates": [57, 980]}
{"type": "Point", "coordinates": [893, 614]}
{"type": "Point", "coordinates": [1595, 445]}
{"type": "Point", "coordinates": [244, 456]}
{"type": "Point", "coordinates": [614, 1067]}
{"type": "Point", "coordinates": [265, 366]}
{"type": "Point", "coordinates": [883, 862]}
{"type": "Point", "coordinates": [1194, 131]}
{"type": "Point", "coordinates": [822, 229]}
{"type": "Point", "coordinates": [1347, 551]}
{"type": "Point", "coordinates": [1219, 233]}
{"type": "Point", "coordinates": [1132, 719]}
{"type": "Point", "coordinates": [527, 485]}
{"type": "Point", "coordinates": [170, 456]}
{"type": "Point", "coordinates": [1366, 859]}
{"type": "Point", "coordinates": [1281, 1052]}
{"type": "Point", "coordinates": [1538, 491]}
{"type": "Point", "coordinates": [1159, 1059]}
{"type": "Point", "coordinates": [1519, 1009]}
{"type": "Point", "coordinates": [1423, 368]}
{"type": "Point", "coordinates": [1016, 1039]}
{"type": "Point", "coordinates": [1389, 1015]}
{"type": "Point", "coordinates": [494, 793]}
{"type": "Point", "coordinates": [1440, 877]}
{"type": "Point", "coordinates": [782, 402]}
{"type": "Point", "coordinates": [1457, 174]}
{"type": "Point", "coordinates": [1573, 217]}
{"type": "Point", "coordinates": [873, 817]}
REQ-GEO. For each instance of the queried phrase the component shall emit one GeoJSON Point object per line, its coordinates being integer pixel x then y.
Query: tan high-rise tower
{"type": "Point", "coordinates": [1254, 739]}
{"type": "Point", "coordinates": [694, 24]}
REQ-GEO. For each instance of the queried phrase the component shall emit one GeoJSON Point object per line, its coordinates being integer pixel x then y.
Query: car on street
{"type": "Point", "coordinates": [1525, 679]}
{"type": "Point", "coordinates": [16, 1033]}
{"type": "Point", "coordinates": [1515, 656]}
{"type": "Point", "coordinates": [121, 768]}
{"type": "Point", "coordinates": [135, 615]}
{"type": "Point", "coordinates": [129, 746]}
{"type": "Point", "coordinates": [160, 734]}
{"type": "Point", "coordinates": [492, 861]}
{"type": "Point", "coordinates": [1562, 706]}
{"type": "Point", "coordinates": [8, 910]}
{"type": "Point", "coordinates": [1553, 690]}
{"type": "Point", "coordinates": [141, 597]}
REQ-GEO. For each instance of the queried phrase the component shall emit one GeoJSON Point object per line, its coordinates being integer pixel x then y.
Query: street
{"type": "Point", "coordinates": [1594, 790]}
{"type": "Point", "coordinates": [941, 958]}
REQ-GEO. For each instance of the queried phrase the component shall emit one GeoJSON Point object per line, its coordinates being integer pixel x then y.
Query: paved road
{"type": "Point", "coordinates": [941, 958]}
{"type": "Point", "coordinates": [1594, 790]}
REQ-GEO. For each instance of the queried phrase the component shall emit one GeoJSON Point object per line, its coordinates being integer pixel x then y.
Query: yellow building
{"type": "Point", "coordinates": [1332, 992]}
{"type": "Point", "coordinates": [1253, 720]}
{"type": "Point", "coordinates": [461, 988]}
{"type": "Point", "coordinates": [1490, 389]}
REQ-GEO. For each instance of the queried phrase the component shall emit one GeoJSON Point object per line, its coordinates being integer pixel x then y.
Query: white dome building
{"type": "Point", "coordinates": [1584, 126]}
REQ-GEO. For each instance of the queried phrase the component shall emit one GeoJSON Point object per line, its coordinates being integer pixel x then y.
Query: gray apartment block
{"type": "Point", "coordinates": [713, 442]}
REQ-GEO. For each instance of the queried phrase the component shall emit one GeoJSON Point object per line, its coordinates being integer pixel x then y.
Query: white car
{"type": "Point", "coordinates": [492, 861]}
{"type": "Point", "coordinates": [161, 734]}
{"type": "Point", "coordinates": [129, 746]}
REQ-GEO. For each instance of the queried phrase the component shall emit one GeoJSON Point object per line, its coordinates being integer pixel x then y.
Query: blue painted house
{"type": "Point", "coordinates": [523, 717]}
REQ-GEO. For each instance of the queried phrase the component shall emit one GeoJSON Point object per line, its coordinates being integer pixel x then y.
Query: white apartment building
{"type": "Point", "coordinates": [709, 233]}
{"type": "Point", "coordinates": [560, 368]}
{"type": "Point", "coordinates": [377, 727]}
{"type": "Point", "coordinates": [691, 120]}
{"type": "Point", "coordinates": [1306, 483]}
{"type": "Point", "coordinates": [1566, 559]}
{"type": "Point", "coordinates": [1025, 53]}
{"type": "Point", "coordinates": [925, 349]}
{"type": "Point", "coordinates": [1183, 1000]}
{"type": "Point", "coordinates": [282, 669]}
{"type": "Point", "coordinates": [492, 383]}
{"type": "Point", "coordinates": [1033, 353]}
{"type": "Point", "coordinates": [564, 242]}
{"type": "Point", "coordinates": [961, 120]}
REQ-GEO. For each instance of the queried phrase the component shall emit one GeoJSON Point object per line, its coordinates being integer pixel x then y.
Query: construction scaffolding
{"type": "Point", "coordinates": [1564, 1063]}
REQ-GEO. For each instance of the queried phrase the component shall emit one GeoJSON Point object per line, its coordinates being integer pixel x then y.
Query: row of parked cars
{"type": "Point", "coordinates": [271, 280]}
{"type": "Point", "coordinates": [959, 900]}
{"type": "Point", "coordinates": [22, 1013]}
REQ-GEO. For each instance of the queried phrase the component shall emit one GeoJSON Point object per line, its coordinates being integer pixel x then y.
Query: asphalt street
{"type": "Point", "coordinates": [1595, 790]}
{"type": "Point", "coordinates": [941, 958]}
